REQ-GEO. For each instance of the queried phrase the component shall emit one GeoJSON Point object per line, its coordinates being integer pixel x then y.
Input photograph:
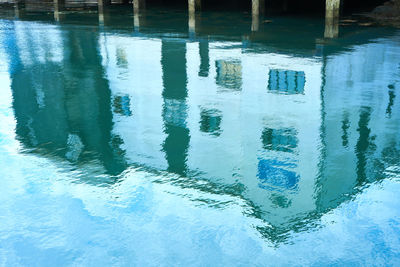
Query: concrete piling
{"type": "Point", "coordinates": [59, 6]}
{"type": "Point", "coordinates": [138, 7]}
{"type": "Point", "coordinates": [332, 18]}
{"type": "Point", "coordinates": [18, 6]}
{"type": "Point", "coordinates": [257, 9]}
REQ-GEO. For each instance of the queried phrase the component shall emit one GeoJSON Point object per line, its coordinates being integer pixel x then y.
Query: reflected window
{"type": "Point", "coordinates": [122, 61]}
{"type": "Point", "coordinates": [284, 140]}
{"type": "Point", "coordinates": [229, 74]}
{"type": "Point", "coordinates": [210, 121]}
{"type": "Point", "coordinates": [286, 81]}
{"type": "Point", "coordinates": [274, 175]}
{"type": "Point", "coordinates": [175, 112]}
{"type": "Point", "coordinates": [121, 105]}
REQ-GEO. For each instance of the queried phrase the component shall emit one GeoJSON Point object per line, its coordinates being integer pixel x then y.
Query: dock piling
{"type": "Point", "coordinates": [257, 9]}
{"type": "Point", "coordinates": [332, 18]}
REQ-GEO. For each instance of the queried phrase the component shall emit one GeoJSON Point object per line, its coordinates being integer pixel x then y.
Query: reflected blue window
{"type": "Point", "coordinates": [284, 140]}
{"type": "Point", "coordinates": [229, 74]}
{"type": "Point", "coordinates": [286, 81]}
{"type": "Point", "coordinates": [122, 104]}
{"type": "Point", "coordinates": [274, 175]}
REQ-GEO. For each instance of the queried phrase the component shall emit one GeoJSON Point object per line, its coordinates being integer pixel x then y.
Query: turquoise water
{"type": "Point", "coordinates": [158, 144]}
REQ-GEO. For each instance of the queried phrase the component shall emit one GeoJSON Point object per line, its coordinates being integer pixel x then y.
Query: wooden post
{"type": "Point", "coordinates": [332, 18]}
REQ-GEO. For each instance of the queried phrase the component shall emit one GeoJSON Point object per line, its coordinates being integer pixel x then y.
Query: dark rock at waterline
{"type": "Point", "coordinates": [388, 13]}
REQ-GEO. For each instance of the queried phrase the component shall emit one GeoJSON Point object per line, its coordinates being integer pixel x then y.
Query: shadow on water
{"type": "Point", "coordinates": [292, 126]}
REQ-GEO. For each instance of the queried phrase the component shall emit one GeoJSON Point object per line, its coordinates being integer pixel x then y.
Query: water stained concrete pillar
{"type": "Point", "coordinates": [332, 18]}
{"type": "Point", "coordinates": [102, 5]}
{"type": "Point", "coordinates": [257, 9]}
{"type": "Point", "coordinates": [18, 6]}
{"type": "Point", "coordinates": [193, 5]}
{"type": "Point", "coordinates": [138, 7]}
{"type": "Point", "coordinates": [59, 6]}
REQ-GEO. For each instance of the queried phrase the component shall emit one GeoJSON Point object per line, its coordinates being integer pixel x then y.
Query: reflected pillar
{"type": "Point", "coordinates": [175, 108]}
{"type": "Point", "coordinates": [204, 58]}
{"type": "Point", "coordinates": [332, 18]}
{"type": "Point", "coordinates": [138, 7]}
{"type": "Point", "coordinates": [257, 9]}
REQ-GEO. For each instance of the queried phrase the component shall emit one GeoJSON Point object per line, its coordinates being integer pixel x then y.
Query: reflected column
{"type": "Point", "coordinates": [364, 144]}
{"type": "Point", "coordinates": [175, 108]}
{"type": "Point", "coordinates": [204, 58]}
{"type": "Point", "coordinates": [88, 112]}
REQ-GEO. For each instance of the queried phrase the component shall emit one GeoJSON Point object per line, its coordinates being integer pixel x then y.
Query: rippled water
{"type": "Point", "coordinates": [163, 145]}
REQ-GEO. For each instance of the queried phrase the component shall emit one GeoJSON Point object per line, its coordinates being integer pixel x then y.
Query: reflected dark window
{"type": "Point", "coordinates": [274, 175]}
{"type": "Point", "coordinates": [175, 112]}
{"type": "Point", "coordinates": [286, 81]}
{"type": "Point", "coordinates": [279, 139]}
{"type": "Point", "coordinates": [229, 74]}
{"type": "Point", "coordinates": [210, 122]}
{"type": "Point", "coordinates": [122, 61]}
{"type": "Point", "coordinates": [121, 105]}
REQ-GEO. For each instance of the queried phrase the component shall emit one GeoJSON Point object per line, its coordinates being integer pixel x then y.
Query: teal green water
{"type": "Point", "coordinates": [148, 143]}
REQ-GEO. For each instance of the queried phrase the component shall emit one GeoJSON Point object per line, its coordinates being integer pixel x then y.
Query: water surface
{"type": "Point", "coordinates": [162, 145]}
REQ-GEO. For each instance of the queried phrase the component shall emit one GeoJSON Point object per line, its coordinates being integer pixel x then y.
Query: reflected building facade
{"type": "Point", "coordinates": [275, 130]}
{"type": "Point", "coordinates": [66, 114]}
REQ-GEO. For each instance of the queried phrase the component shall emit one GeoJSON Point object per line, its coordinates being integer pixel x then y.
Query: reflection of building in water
{"type": "Point", "coordinates": [360, 136]}
{"type": "Point", "coordinates": [273, 139]}
{"type": "Point", "coordinates": [266, 148]}
{"type": "Point", "coordinates": [66, 114]}
{"type": "Point", "coordinates": [140, 79]}
{"type": "Point", "coordinates": [261, 148]}
{"type": "Point", "coordinates": [197, 129]}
